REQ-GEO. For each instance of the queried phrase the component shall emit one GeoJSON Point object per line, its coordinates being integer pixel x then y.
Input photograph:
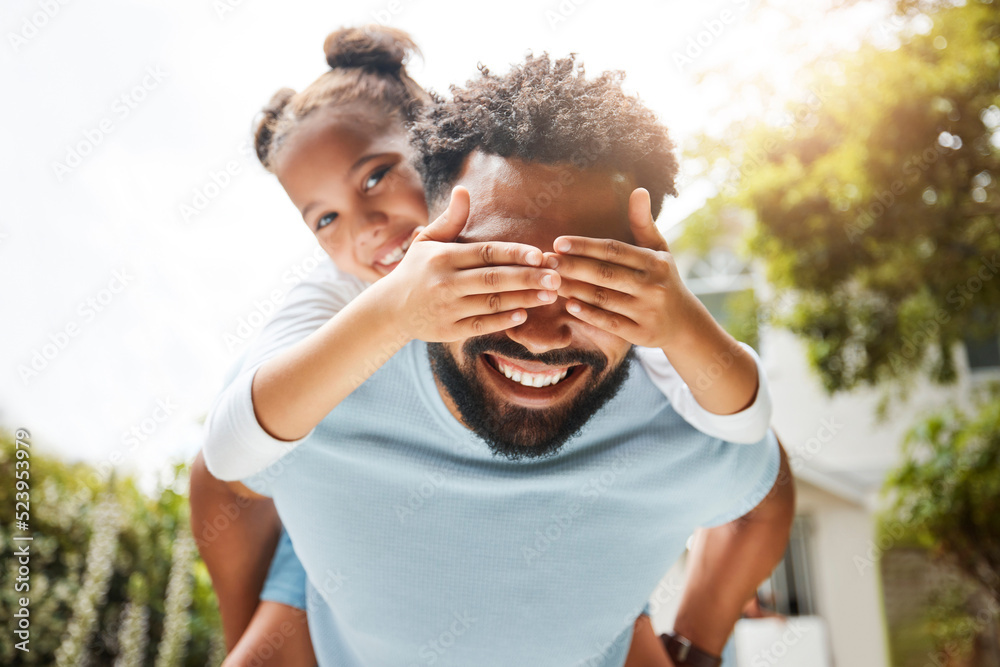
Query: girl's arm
{"type": "Point", "coordinates": [747, 426]}
{"type": "Point", "coordinates": [636, 292]}
{"type": "Point", "coordinates": [326, 341]}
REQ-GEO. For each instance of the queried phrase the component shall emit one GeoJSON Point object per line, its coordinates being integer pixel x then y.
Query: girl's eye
{"type": "Point", "coordinates": [376, 176]}
{"type": "Point", "coordinates": [327, 219]}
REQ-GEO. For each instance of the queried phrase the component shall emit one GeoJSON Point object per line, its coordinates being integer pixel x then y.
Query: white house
{"type": "Point", "coordinates": [829, 586]}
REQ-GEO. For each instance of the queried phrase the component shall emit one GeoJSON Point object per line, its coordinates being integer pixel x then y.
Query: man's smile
{"type": "Point", "coordinates": [531, 383]}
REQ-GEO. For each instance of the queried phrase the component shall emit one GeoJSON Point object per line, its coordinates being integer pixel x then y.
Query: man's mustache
{"type": "Point", "coordinates": [502, 345]}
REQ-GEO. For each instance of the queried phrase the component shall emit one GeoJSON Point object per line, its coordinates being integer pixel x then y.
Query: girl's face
{"type": "Point", "coordinates": [351, 179]}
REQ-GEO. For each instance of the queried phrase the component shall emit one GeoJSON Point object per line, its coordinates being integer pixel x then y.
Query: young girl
{"type": "Point", "coordinates": [340, 150]}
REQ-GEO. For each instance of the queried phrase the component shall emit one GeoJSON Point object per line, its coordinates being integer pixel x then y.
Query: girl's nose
{"type": "Point", "coordinates": [370, 227]}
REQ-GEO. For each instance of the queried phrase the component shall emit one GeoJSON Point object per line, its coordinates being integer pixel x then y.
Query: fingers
{"type": "Point", "coordinates": [614, 323]}
{"type": "Point", "coordinates": [640, 218]}
{"type": "Point", "coordinates": [600, 297]}
{"type": "Point", "coordinates": [480, 325]}
{"type": "Point", "coordinates": [600, 273]}
{"type": "Point", "coordinates": [450, 223]}
{"type": "Point", "coordinates": [605, 250]}
{"type": "Point", "coordinates": [487, 304]}
{"type": "Point", "coordinates": [494, 253]}
{"type": "Point", "coordinates": [479, 314]}
{"type": "Point", "coordinates": [491, 279]}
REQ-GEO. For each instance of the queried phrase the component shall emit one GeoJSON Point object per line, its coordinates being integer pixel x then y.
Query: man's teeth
{"type": "Point", "coordinates": [531, 379]}
{"type": "Point", "coordinates": [395, 255]}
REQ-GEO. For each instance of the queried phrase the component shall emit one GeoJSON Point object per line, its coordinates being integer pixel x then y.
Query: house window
{"type": "Point", "coordinates": [983, 351]}
{"type": "Point", "coordinates": [983, 354]}
{"type": "Point", "coordinates": [789, 591]}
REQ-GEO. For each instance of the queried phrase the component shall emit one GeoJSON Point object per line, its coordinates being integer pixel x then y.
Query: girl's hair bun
{"type": "Point", "coordinates": [373, 47]}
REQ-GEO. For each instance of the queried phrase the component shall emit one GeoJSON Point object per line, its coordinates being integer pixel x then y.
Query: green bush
{"type": "Point", "coordinates": [115, 575]}
{"type": "Point", "coordinates": [946, 501]}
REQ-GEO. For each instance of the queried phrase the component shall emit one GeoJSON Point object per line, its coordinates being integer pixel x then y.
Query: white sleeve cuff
{"type": "Point", "coordinates": [236, 445]}
{"type": "Point", "coordinates": [745, 427]}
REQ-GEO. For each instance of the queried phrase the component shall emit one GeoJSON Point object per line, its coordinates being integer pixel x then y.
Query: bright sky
{"type": "Point", "coordinates": [117, 114]}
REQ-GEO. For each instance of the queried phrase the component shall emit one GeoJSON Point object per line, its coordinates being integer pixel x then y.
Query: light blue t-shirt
{"type": "Point", "coordinates": [422, 548]}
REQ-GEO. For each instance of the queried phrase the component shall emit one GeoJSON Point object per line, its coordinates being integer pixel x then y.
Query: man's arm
{"type": "Point", "coordinates": [726, 564]}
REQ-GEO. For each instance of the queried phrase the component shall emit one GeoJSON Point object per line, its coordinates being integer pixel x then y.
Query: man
{"type": "Point", "coordinates": [445, 512]}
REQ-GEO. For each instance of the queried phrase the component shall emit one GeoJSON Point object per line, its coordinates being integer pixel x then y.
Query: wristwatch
{"type": "Point", "coordinates": [683, 652]}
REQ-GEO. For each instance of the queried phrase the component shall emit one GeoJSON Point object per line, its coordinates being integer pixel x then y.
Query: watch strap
{"type": "Point", "coordinates": [683, 652]}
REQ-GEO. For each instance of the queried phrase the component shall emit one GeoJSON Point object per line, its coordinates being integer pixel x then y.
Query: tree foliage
{"type": "Point", "coordinates": [114, 575]}
{"type": "Point", "coordinates": [948, 490]}
{"type": "Point", "coordinates": [876, 200]}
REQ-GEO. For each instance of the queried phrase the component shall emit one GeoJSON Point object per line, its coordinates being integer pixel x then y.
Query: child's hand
{"type": "Point", "coordinates": [446, 291]}
{"type": "Point", "coordinates": [633, 292]}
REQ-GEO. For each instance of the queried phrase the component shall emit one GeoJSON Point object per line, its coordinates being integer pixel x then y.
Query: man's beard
{"type": "Point", "coordinates": [511, 430]}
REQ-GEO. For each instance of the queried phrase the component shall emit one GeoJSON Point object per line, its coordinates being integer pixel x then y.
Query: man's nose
{"type": "Point", "coordinates": [546, 328]}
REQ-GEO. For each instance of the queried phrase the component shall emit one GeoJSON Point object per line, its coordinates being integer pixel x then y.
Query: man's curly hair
{"type": "Point", "coordinates": [546, 112]}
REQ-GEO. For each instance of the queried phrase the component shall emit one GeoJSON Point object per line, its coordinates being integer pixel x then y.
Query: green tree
{"type": "Point", "coordinates": [876, 202]}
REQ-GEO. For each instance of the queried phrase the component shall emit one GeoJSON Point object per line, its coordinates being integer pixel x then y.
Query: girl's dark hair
{"type": "Point", "coordinates": [367, 67]}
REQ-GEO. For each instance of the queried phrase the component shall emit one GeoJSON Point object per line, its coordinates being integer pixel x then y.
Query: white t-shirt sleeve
{"type": "Point", "coordinates": [746, 427]}
{"type": "Point", "coordinates": [236, 446]}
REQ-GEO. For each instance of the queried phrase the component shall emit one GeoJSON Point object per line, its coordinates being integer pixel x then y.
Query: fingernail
{"type": "Point", "coordinates": [517, 317]}
{"type": "Point", "coordinates": [562, 245]}
{"type": "Point", "coordinates": [573, 307]}
{"type": "Point", "coordinates": [552, 262]}
{"type": "Point", "coordinates": [548, 280]}
{"type": "Point", "coordinates": [546, 296]}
